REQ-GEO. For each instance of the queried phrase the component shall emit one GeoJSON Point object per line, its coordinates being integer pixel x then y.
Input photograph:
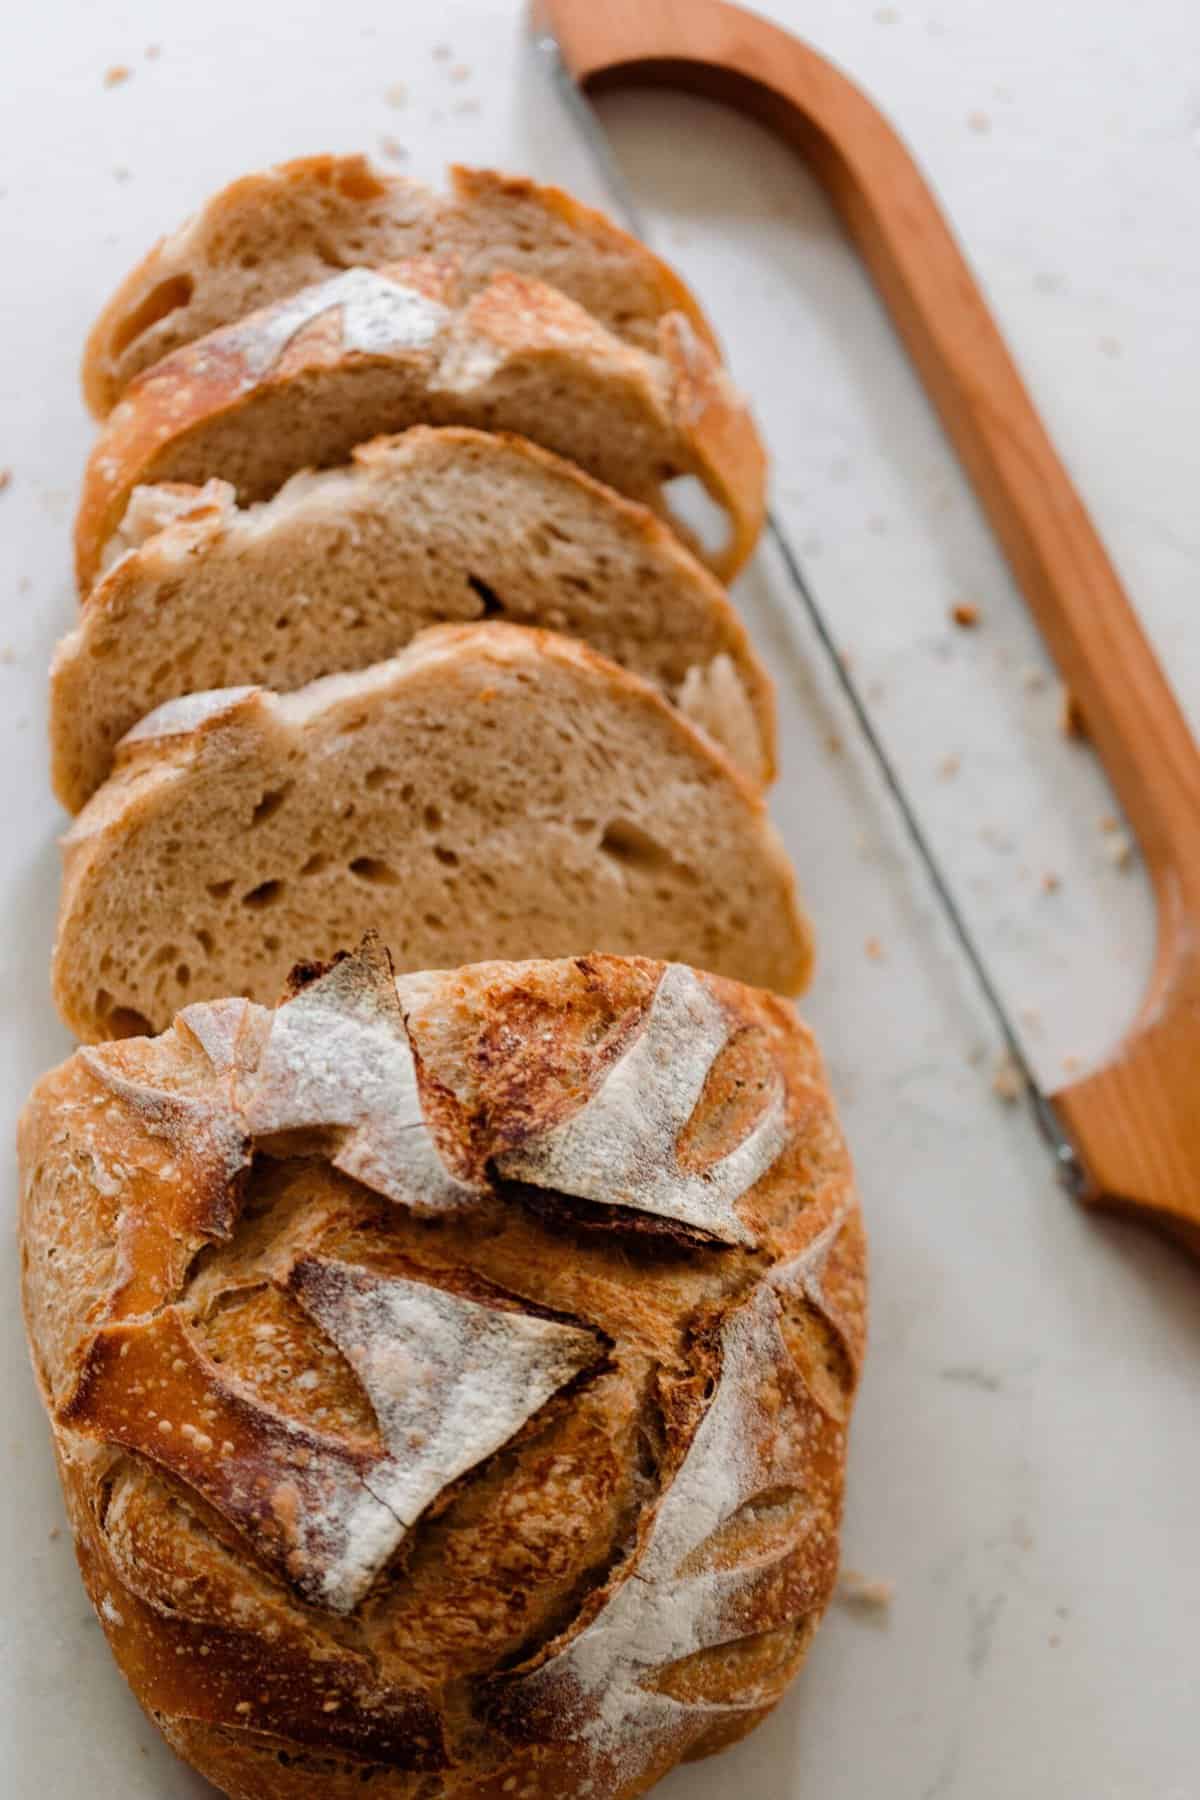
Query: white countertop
{"type": "Point", "coordinates": [1025, 1459]}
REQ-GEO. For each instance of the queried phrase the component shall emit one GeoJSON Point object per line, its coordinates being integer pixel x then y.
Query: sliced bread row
{"type": "Point", "coordinates": [340, 569]}
{"type": "Point", "coordinates": [279, 230]}
{"type": "Point", "coordinates": [493, 791]}
{"type": "Point", "coordinates": [299, 384]}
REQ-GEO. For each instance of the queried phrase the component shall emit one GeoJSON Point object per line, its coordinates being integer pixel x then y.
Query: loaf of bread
{"type": "Point", "coordinates": [450, 1376]}
{"type": "Point", "coordinates": [279, 230]}
{"type": "Point", "coordinates": [300, 384]}
{"type": "Point", "coordinates": [341, 569]}
{"type": "Point", "coordinates": [491, 791]}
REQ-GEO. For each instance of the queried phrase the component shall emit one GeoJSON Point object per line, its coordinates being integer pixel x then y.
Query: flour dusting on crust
{"type": "Point", "coordinates": [621, 1147]}
{"type": "Point", "coordinates": [592, 1691]}
{"type": "Point", "coordinates": [449, 1380]}
{"type": "Point", "coordinates": [338, 1055]}
{"type": "Point", "coordinates": [378, 317]}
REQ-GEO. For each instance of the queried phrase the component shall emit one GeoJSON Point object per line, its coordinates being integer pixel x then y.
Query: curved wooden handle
{"type": "Point", "coordinates": [1136, 1122]}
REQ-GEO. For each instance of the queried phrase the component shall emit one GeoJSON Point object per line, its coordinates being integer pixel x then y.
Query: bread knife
{"type": "Point", "coordinates": [1126, 1135]}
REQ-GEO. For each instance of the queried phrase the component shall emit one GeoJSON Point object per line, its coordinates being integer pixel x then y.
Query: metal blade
{"type": "Point", "coordinates": [1069, 1168]}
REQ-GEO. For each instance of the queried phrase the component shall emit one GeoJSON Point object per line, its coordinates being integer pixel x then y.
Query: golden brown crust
{"type": "Point", "coordinates": [304, 382]}
{"type": "Point", "coordinates": [190, 283]}
{"type": "Point", "coordinates": [502, 1646]}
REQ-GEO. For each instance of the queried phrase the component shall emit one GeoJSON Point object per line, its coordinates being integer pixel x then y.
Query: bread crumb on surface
{"type": "Point", "coordinates": [1008, 1083]}
{"type": "Point", "coordinates": [874, 949]}
{"type": "Point", "coordinates": [442, 53]}
{"type": "Point", "coordinates": [965, 613]}
{"type": "Point", "coordinates": [392, 147]}
{"type": "Point", "coordinates": [152, 52]}
{"type": "Point", "coordinates": [1034, 680]}
{"type": "Point", "coordinates": [460, 72]}
{"type": "Point", "coordinates": [886, 15]}
{"type": "Point", "coordinates": [979, 122]}
{"type": "Point", "coordinates": [1110, 346]}
{"type": "Point", "coordinates": [949, 766]}
{"type": "Point", "coordinates": [1118, 848]}
{"type": "Point", "coordinates": [5, 479]}
{"type": "Point", "coordinates": [397, 94]}
{"type": "Point", "coordinates": [54, 1533]}
{"type": "Point", "coordinates": [864, 1593]}
{"type": "Point", "coordinates": [833, 743]}
{"type": "Point", "coordinates": [1051, 882]}
{"type": "Point", "coordinates": [1109, 822]}
{"type": "Point", "coordinates": [1070, 715]}
{"type": "Point", "coordinates": [119, 72]}
{"type": "Point", "coordinates": [1071, 1063]}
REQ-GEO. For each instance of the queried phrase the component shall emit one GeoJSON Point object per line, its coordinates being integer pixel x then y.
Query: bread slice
{"type": "Point", "coordinates": [279, 230]}
{"type": "Point", "coordinates": [300, 384]}
{"type": "Point", "coordinates": [492, 791]}
{"type": "Point", "coordinates": [341, 569]}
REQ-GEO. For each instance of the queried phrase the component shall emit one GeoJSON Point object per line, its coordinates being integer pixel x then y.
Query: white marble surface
{"type": "Point", "coordinates": [1026, 1460]}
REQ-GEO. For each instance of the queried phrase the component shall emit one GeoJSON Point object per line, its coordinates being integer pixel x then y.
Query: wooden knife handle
{"type": "Point", "coordinates": [1136, 1121]}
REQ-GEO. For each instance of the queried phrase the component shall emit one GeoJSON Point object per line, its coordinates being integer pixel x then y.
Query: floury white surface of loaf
{"type": "Point", "coordinates": [492, 791]}
{"type": "Point", "coordinates": [398, 1454]}
{"type": "Point", "coordinates": [301, 384]}
{"type": "Point", "coordinates": [276, 231]}
{"type": "Point", "coordinates": [340, 570]}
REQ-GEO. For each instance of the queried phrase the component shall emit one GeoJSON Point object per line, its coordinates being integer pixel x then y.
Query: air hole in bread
{"type": "Point", "coordinates": [265, 894]}
{"type": "Point", "coordinates": [220, 890]}
{"type": "Point", "coordinates": [159, 303]}
{"type": "Point", "coordinates": [492, 603]}
{"type": "Point", "coordinates": [693, 507]}
{"type": "Point", "coordinates": [446, 856]}
{"type": "Point", "coordinates": [634, 848]}
{"type": "Point", "coordinates": [316, 862]}
{"type": "Point", "coordinates": [371, 869]}
{"type": "Point", "coordinates": [432, 817]}
{"type": "Point", "coordinates": [270, 804]}
{"type": "Point", "coordinates": [121, 1021]}
{"type": "Point", "coordinates": [377, 778]}
{"type": "Point", "coordinates": [183, 974]}
{"type": "Point", "coordinates": [163, 955]}
{"type": "Point", "coordinates": [205, 940]}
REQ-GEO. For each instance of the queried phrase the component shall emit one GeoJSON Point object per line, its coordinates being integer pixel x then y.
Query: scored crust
{"type": "Point", "coordinates": [341, 569]}
{"type": "Point", "coordinates": [300, 384]}
{"type": "Point", "coordinates": [275, 231]}
{"type": "Point", "coordinates": [492, 790]}
{"type": "Point", "coordinates": [623, 1569]}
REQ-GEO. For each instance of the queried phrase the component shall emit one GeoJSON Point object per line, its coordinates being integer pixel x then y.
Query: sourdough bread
{"type": "Point", "coordinates": [491, 790]}
{"type": "Point", "coordinates": [271, 233]}
{"type": "Point", "coordinates": [340, 569]}
{"type": "Point", "coordinates": [299, 385]}
{"type": "Point", "coordinates": [450, 1377]}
